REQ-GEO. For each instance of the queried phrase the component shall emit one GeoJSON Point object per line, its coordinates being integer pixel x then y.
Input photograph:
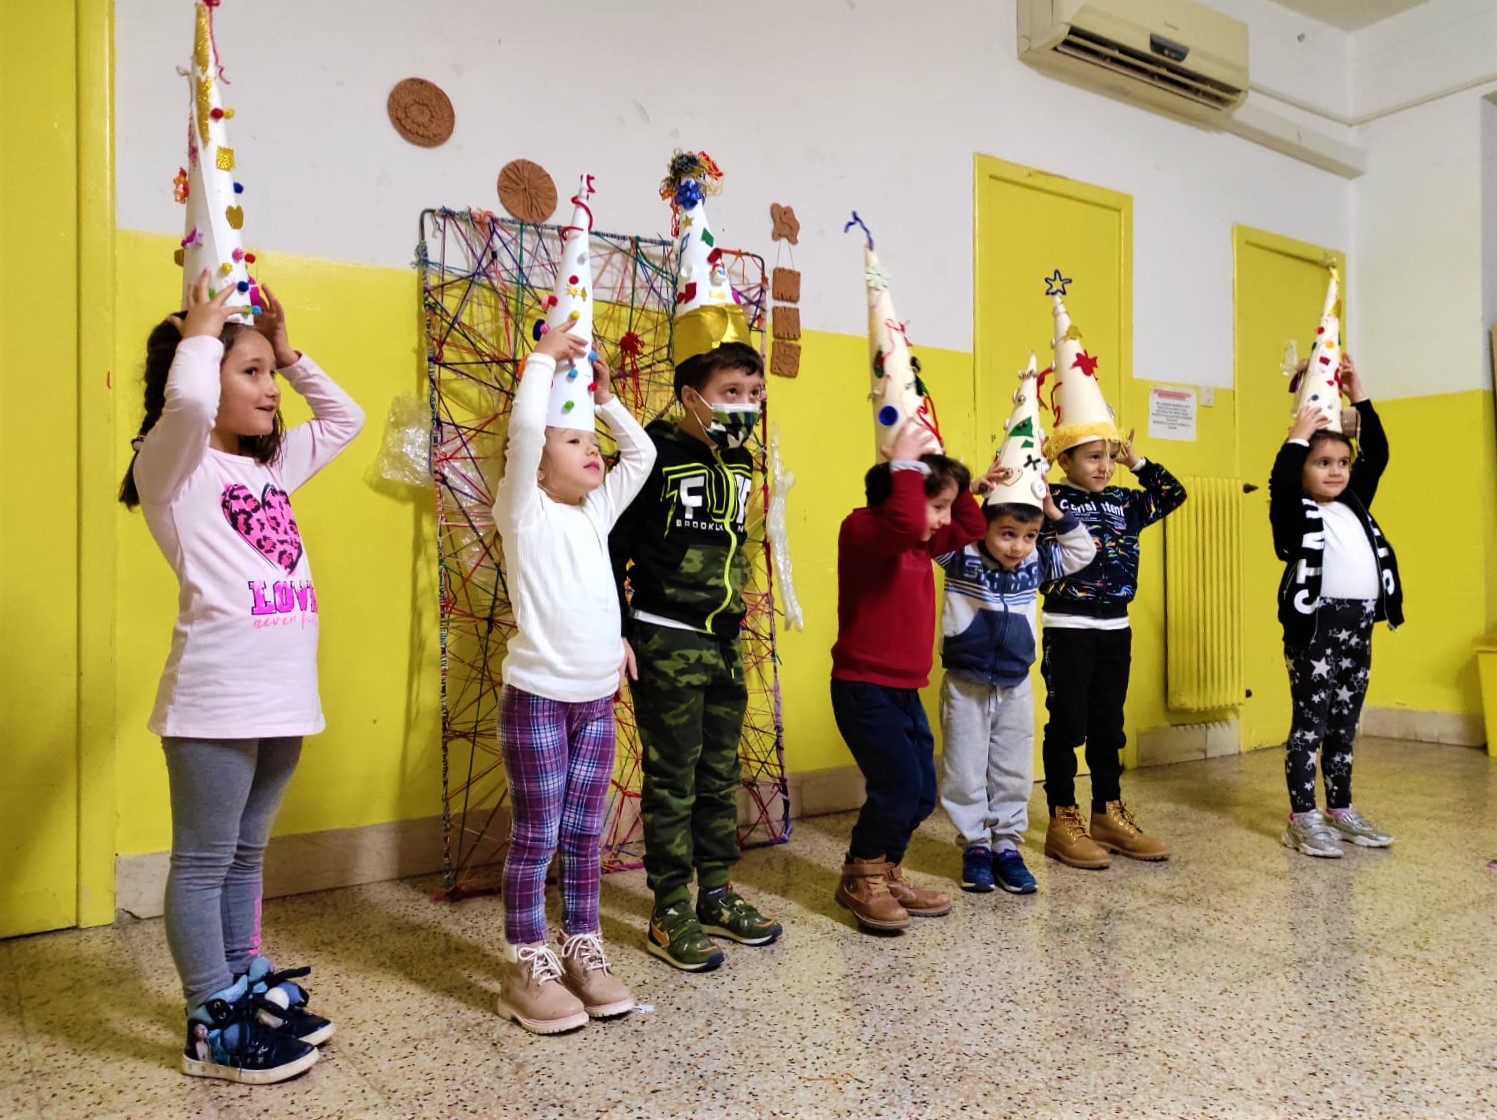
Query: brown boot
{"type": "Point", "coordinates": [1117, 831]}
{"type": "Point", "coordinates": [917, 902]}
{"type": "Point", "coordinates": [531, 992]}
{"type": "Point", "coordinates": [1067, 841]}
{"type": "Point", "coordinates": [588, 976]}
{"type": "Point", "coordinates": [864, 890]}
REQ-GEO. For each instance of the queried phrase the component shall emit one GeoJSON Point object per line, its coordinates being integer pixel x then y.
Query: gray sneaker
{"type": "Point", "coordinates": [1353, 826]}
{"type": "Point", "coordinates": [1307, 832]}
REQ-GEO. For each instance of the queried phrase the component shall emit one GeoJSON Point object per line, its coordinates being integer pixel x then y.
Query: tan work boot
{"type": "Point", "coordinates": [588, 976]}
{"type": "Point", "coordinates": [1117, 831]}
{"type": "Point", "coordinates": [532, 994]}
{"type": "Point", "coordinates": [864, 890]}
{"type": "Point", "coordinates": [1067, 841]}
{"type": "Point", "coordinates": [919, 903]}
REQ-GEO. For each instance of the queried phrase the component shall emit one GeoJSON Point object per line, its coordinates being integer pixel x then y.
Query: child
{"type": "Point", "coordinates": [919, 507]}
{"type": "Point", "coordinates": [987, 709]}
{"type": "Point", "coordinates": [213, 473]}
{"type": "Point", "coordinates": [682, 544]}
{"type": "Point", "coordinates": [1088, 652]}
{"type": "Point", "coordinates": [554, 510]}
{"type": "Point", "coordinates": [1340, 576]}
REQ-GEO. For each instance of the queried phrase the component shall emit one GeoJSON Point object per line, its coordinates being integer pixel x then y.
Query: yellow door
{"type": "Point", "coordinates": [1028, 225]}
{"type": "Point", "coordinates": [1278, 289]}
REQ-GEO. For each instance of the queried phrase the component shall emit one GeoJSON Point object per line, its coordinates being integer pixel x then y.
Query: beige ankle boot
{"type": "Point", "coordinates": [864, 890]}
{"type": "Point", "coordinates": [531, 992]}
{"type": "Point", "coordinates": [1067, 841]}
{"type": "Point", "coordinates": [588, 976]}
{"type": "Point", "coordinates": [916, 901]}
{"type": "Point", "coordinates": [1117, 831]}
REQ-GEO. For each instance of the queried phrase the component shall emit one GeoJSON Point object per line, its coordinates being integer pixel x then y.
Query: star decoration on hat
{"type": "Point", "coordinates": [1086, 364]}
{"type": "Point", "coordinates": [1055, 284]}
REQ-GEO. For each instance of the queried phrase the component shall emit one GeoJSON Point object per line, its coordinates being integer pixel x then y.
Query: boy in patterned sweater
{"type": "Point", "coordinates": [1088, 651]}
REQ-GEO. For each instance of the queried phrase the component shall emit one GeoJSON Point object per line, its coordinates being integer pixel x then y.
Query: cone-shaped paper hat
{"type": "Point", "coordinates": [897, 392]}
{"type": "Point", "coordinates": [571, 309]}
{"type": "Point", "coordinates": [1320, 383]}
{"type": "Point", "coordinates": [707, 308]}
{"type": "Point", "coordinates": [1023, 464]}
{"type": "Point", "coordinates": [208, 184]}
{"type": "Point", "coordinates": [1081, 413]}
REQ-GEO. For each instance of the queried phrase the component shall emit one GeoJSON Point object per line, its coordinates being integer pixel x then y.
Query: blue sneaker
{"type": "Point", "coordinates": [977, 870]}
{"type": "Point", "coordinates": [1012, 875]}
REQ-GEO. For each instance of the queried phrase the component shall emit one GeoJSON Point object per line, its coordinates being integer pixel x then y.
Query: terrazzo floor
{"type": "Point", "coordinates": [1239, 979]}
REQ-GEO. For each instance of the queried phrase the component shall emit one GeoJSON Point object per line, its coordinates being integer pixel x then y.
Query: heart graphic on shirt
{"type": "Point", "coordinates": [266, 523]}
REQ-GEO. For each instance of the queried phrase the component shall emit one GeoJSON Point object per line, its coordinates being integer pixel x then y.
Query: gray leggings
{"type": "Point", "coordinates": [225, 793]}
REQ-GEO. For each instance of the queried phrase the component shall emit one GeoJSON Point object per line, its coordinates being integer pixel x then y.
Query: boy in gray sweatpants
{"type": "Point", "coordinates": [987, 707]}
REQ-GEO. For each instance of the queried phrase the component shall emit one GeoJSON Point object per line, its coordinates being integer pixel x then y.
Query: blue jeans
{"type": "Point", "coordinates": [890, 739]}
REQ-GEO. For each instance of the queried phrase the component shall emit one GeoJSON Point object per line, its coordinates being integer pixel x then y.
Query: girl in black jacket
{"type": "Point", "coordinates": [1340, 577]}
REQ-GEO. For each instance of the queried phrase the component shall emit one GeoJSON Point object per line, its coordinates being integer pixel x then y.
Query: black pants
{"type": "Point", "coordinates": [1327, 681]}
{"type": "Point", "coordinates": [1086, 683]}
{"type": "Point", "coordinates": [890, 739]}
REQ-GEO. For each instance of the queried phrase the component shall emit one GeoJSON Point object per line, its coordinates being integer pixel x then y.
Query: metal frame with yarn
{"type": "Point", "coordinates": [484, 280]}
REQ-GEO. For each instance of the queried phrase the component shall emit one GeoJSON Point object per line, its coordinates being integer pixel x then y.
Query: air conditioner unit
{"type": "Point", "coordinates": [1174, 56]}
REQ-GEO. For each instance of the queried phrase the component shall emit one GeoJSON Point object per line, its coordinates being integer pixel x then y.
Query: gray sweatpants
{"type": "Point", "coordinates": [225, 793]}
{"type": "Point", "coordinates": [987, 759]}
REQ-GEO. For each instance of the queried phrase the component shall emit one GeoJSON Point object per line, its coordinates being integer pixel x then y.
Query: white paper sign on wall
{"type": "Point", "coordinates": [1172, 414]}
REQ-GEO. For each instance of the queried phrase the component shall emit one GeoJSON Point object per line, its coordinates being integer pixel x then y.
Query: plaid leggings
{"type": "Point", "coordinates": [559, 759]}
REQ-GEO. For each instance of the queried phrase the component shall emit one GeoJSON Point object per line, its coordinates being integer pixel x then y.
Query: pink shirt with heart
{"type": "Point", "coordinates": [243, 661]}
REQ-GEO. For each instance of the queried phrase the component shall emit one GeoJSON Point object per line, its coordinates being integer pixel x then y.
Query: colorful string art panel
{"type": "Point", "coordinates": [484, 283]}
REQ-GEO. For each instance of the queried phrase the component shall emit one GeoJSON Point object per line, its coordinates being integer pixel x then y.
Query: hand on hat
{"type": "Point", "coordinates": [1309, 420]}
{"type": "Point", "coordinates": [561, 345]}
{"type": "Point", "coordinates": [1051, 510]}
{"type": "Point", "coordinates": [271, 322]}
{"type": "Point", "coordinates": [1126, 455]}
{"type": "Point", "coordinates": [914, 440]}
{"type": "Point", "coordinates": [206, 317]}
{"type": "Point", "coordinates": [1351, 381]}
{"type": "Point", "coordinates": [602, 378]}
{"type": "Point", "coordinates": [998, 475]}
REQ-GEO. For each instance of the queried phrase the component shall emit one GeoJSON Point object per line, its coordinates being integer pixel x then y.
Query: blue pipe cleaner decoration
{"type": "Point", "coordinates": [688, 194]}
{"type": "Point", "coordinates": [857, 221]}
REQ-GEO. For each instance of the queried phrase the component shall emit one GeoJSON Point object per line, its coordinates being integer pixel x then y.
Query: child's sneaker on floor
{"type": "Point", "coordinates": [1307, 833]}
{"type": "Point", "coordinates": [1115, 829]}
{"type": "Point", "coordinates": [723, 912]}
{"type": "Point", "coordinates": [677, 938]}
{"type": "Point", "coordinates": [532, 993]}
{"type": "Point", "coordinates": [588, 976]}
{"type": "Point", "coordinates": [916, 900]}
{"type": "Point", "coordinates": [1012, 875]}
{"type": "Point", "coordinates": [282, 1004]}
{"type": "Point", "coordinates": [225, 1040]}
{"type": "Point", "coordinates": [1353, 826]}
{"type": "Point", "coordinates": [977, 870]}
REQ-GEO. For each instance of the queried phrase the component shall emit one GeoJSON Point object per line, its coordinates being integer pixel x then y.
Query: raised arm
{"type": "Point", "coordinates": [636, 451]}
{"type": "Point", "coordinates": [336, 419]}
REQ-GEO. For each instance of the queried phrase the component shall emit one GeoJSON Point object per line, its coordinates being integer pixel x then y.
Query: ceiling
{"type": "Point", "coordinates": [1349, 15]}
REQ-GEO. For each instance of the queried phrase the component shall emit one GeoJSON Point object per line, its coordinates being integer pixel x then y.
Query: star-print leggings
{"type": "Point", "coordinates": [1327, 680]}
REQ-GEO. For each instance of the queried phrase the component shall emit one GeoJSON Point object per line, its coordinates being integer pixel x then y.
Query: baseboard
{"type": "Point", "coordinates": [1188, 742]}
{"type": "Point", "coordinates": [1455, 728]}
{"type": "Point", "coordinates": [312, 861]}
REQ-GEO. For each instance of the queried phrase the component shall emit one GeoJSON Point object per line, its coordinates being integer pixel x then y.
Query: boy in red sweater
{"type": "Point", "coordinates": [919, 507]}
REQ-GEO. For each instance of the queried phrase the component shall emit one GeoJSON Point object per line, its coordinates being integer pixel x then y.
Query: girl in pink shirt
{"type": "Point", "coordinates": [213, 472]}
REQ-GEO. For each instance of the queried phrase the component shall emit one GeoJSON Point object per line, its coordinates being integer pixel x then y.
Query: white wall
{"type": "Point", "coordinates": [1489, 209]}
{"type": "Point", "coordinates": [827, 105]}
{"type": "Point", "coordinates": [1437, 45]}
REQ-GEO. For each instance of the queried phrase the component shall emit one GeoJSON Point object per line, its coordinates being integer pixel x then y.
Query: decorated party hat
{"type": "Point", "coordinates": [1023, 463]}
{"type": "Point", "coordinates": [1320, 382]}
{"type": "Point", "coordinates": [1080, 411]}
{"type": "Point", "coordinates": [707, 308]}
{"type": "Point", "coordinates": [898, 394]}
{"type": "Point", "coordinates": [208, 184]}
{"type": "Point", "coordinates": [570, 308]}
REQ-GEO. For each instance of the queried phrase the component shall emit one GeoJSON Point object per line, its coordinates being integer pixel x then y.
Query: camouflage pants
{"type": "Point", "coordinates": [688, 704]}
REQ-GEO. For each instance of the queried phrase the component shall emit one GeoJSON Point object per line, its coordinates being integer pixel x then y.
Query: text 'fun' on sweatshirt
{"type": "Point", "coordinates": [243, 660]}
{"type": "Point", "coordinates": [886, 588]}
{"type": "Point", "coordinates": [988, 619]}
{"type": "Point", "coordinates": [680, 544]}
{"type": "Point", "coordinates": [567, 643]}
{"type": "Point", "coordinates": [1115, 516]}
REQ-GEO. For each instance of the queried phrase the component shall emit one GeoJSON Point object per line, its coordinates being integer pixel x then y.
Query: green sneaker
{"type": "Point", "coordinates": [724, 912]}
{"type": "Point", "coordinates": [676, 937]}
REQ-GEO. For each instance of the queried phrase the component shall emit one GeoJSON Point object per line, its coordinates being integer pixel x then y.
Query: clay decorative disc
{"type": "Point", "coordinates": [527, 191]}
{"type": "Point", "coordinates": [421, 112]}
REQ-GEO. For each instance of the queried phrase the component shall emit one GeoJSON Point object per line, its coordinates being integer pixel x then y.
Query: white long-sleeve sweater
{"type": "Point", "coordinates": [243, 660]}
{"type": "Point", "coordinates": [567, 645]}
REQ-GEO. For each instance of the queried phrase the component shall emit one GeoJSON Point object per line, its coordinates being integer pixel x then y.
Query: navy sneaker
{"type": "Point", "coordinates": [226, 1040]}
{"type": "Point", "coordinates": [281, 1004]}
{"type": "Point", "coordinates": [1012, 875]}
{"type": "Point", "coordinates": [977, 870]}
